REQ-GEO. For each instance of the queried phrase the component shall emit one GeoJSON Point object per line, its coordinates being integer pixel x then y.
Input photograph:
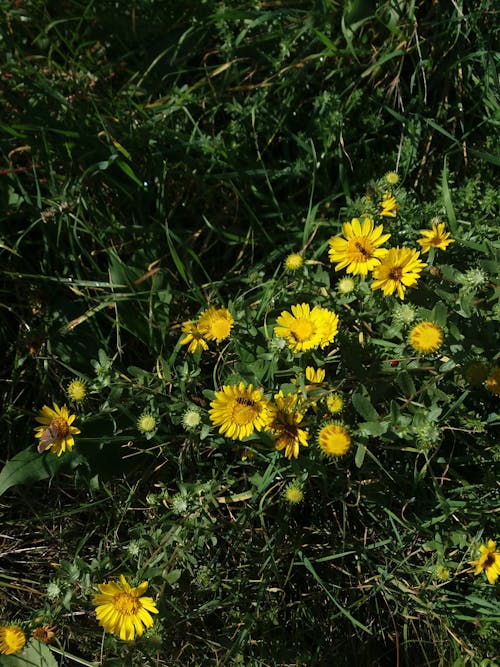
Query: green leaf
{"type": "Point", "coordinates": [34, 654]}
{"type": "Point", "coordinates": [360, 455]}
{"type": "Point", "coordinates": [28, 466]}
{"type": "Point", "coordinates": [364, 407]}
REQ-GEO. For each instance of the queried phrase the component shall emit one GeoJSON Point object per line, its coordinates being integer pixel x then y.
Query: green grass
{"type": "Point", "coordinates": [159, 158]}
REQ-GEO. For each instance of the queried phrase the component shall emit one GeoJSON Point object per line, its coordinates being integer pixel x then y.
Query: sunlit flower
{"type": "Point", "coordinates": [399, 269]}
{"type": "Point", "coordinates": [56, 431]}
{"type": "Point", "coordinates": [122, 611]}
{"type": "Point", "coordinates": [426, 337]}
{"type": "Point", "coordinates": [388, 205]}
{"type": "Point", "coordinates": [285, 417]}
{"type": "Point", "coordinates": [359, 249]}
{"type": "Point", "coordinates": [146, 423]}
{"type": "Point", "coordinates": [305, 328]}
{"type": "Point", "coordinates": [493, 380]}
{"type": "Point", "coordinates": [346, 285]}
{"type": "Point", "coordinates": [315, 375]}
{"type": "Point", "coordinates": [435, 237]}
{"type": "Point", "coordinates": [489, 561]}
{"type": "Point", "coordinates": [239, 410]}
{"type": "Point", "coordinates": [334, 439]}
{"type": "Point", "coordinates": [77, 390]}
{"type": "Point", "coordinates": [193, 338]}
{"type": "Point", "coordinates": [215, 323]}
{"type": "Point", "coordinates": [334, 403]}
{"type": "Point", "coordinates": [44, 633]}
{"type": "Point", "coordinates": [293, 494]}
{"type": "Point", "coordinates": [191, 419]}
{"type": "Point", "coordinates": [294, 261]}
{"type": "Point", "coordinates": [12, 639]}
{"type": "Point", "coordinates": [391, 178]}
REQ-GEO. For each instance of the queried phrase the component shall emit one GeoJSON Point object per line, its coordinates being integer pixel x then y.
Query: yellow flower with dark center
{"type": "Point", "coordinates": [77, 390]}
{"type": "Point", "coordinates": [215, 323]}
{"type": "Point", "coordinates": [294, 261]}
{"type": "Point", "coordinates": [388, 205]}
{"type": "Point", "coordinates": [334, 403]}
{"type": "Point", "coordinates": [305, 328]}
{"type": "Point", "coordinates": [122, 611]}
{"type": "Point", "coordinates": [359, 249]}
{"type": "Point", "coordinates": [435, 237]}
{"type": "Point", "coordinates": [426, 337]}
{"type": "Point", "coordinates": [391, 178]}
{"type": "Point", "coordinates": [399, 269]}
{"type": "Point", "coordinates": [193, 337]}
{"type": "Point", "coordinates": [239, 410]}
{"type": "Point", "coordinates": [285, 417]}
{"type": "Point", "coordinates": [334, 439]}
{"type": "Point", "coordinates": [315, 375]}
{"type": "Point", "coordinates": [489, 561]}
{"type": "Point", "coordinates": [12, 639]}
{"type": "Point", "coordinates": [493, 381]}
{"type": "Point", "coordinates": [56, 431]}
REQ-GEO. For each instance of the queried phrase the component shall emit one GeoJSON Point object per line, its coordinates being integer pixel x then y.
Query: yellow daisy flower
{"type": "Point", "coordinates": [12, 639]}
{"type": "Point", "coordinates": [435, 237]}
{"type": "Point", "coordinates": [305, 328]}
{"type": "Point", "coordinates": [77, 390]}
{"type": "Point", "coordinates": [239, 410]}
{"type": "Point", "coordinates": [493, 381]}
{"type": "Point", "coordinates": [359, 249]}
{"type": "Point", "coordinates": [215, 323]}
{"type": "Point", "coordinates": [56, 431]}
{"type": "Point", "coordinates": [193, 337]}
{"type": "Point", "coordinates": [399, 269]}
{"type": "Point", "coordinates": [293, 262]}
{"type": "Point", "coordinates": [285, 417]}
{"type": "Point", "coordinates": [122, 611]}
{"type": "Point", "coordinates": [388, 205]}
{"type": "Point", "coordinates": [426, 337]}
{"type": "Point", "coordinates": [315, 375]}
{"type": "Point", "coordinates": [334, 440]}
{"type": "Point", "coordinates": [489, 561]}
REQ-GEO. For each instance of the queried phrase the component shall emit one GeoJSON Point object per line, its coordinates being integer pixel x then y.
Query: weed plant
{"type": "Point", "coordinates": [281, 425]}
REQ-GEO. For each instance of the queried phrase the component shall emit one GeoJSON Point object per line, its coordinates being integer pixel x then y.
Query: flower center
{"type": "Point", "coordinates": [302, 329]}
{"type": "Point", "coordinates": [126, 604]}
{"type": "Point", "coordinates": [221, 328]}
{"type": "Point", "coordinates": [361, 250]}
{"type": "Point", "coordinates": [244, 411]}
{"type": "Point", "coordinates": [396, 273]}
{"type": "Point", "coordinates": [60, 426]}
{"type": "Point", "coordinates": [490, 560]}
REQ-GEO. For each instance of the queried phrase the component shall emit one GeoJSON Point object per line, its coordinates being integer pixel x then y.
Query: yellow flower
{"type": "Point", "coordinates": [489, 561]}
{"type": "Point", "coordinates": [56, 431]}
{"type": "Point", "coordinates": [305, 328]}
{"type": "Point", "coordinates": [442, 572]}
{"type": "Point", "coordinates": [285, 417]}
{"type": "Point", "coordinates": [399, 269]}
{"type": "Point", "coordinates": [146, 423]}
{"type": "Point", "coordinates": [359, 249]}
{"type": "Point", "coordinates": [193, 337]}
{"type": "Point", "coordinates": [435, 237]}
{"type": "Point", "coordinates": [239, 410]}
{"type": "Point", "coordinates": [391, 178]}
{"type": "Point", "coordinates": [293, 494]}
{"type": "Point", "coordinates": [121, 610]}
{"type": "Point", "coordinates": [315, 375]}
{"type": "Point", "coordinates": [334, 439]}
{"type": "Point", "coordinates": [77, 390]}
{"type": "Point", "coordinates": [215, 323]}
{"type": "Point", "coordinates": [426, 337]}
{"type": "Point", "coordinates": [294, 261]}
{"type": "Point", "coordinates": [493, 380]}
{"type": "Point", "coordinates": [12, 639]}
{"type": "Point", "coordinates": [334, 403]}
{"type": "Point", "coordinates": [388, 205]}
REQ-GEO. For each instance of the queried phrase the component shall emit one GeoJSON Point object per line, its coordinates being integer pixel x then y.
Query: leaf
{"type": "Point", "coordinates": [364, 407]}
{"type": "Point", "coordinates": [360, 455]}
{"type": "Point", "coordinates": [28, 466]}
{"type": "Point", "coordinates": [34, 654]}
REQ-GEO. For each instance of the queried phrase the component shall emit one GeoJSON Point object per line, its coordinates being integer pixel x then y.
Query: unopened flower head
{"type": "Point", "coordinates": [77, 390]}
{"type": "Point", "coordinates": [403, 314]}
{"type": "Point", "coordinates": [488, 561]}
{"type": "Point", "coordinates": [346, 285]}
{"type": "Point", "coordinates": [56, 430]}
{"type": "Point", "coordinates": [146, 423]}
{"type": "Point", "coordinates": [12, 639]}
{"type": "Point", "coordinates": [358, 249]}
{"type": "Point", "coordinates": [426, 337]}
{"type": "Point", "coordinates": [442, 573]}
{"type": "Point", "coordinates": [391, 178]}
{"type": "Point", "coordinates": [293, 493]}
{"type": "Point", "coordinates": [474, 279]}
{"type": "Point", "coordinates": [435, 237]}
{"type": "Point", "coordinates": [400, 268]}
{"type": "Point", "coordinates": [215, 323]}
{"type": "Point", "coordinates": [493, 381]}
{"type": "Point", "coordinates": [334, 403]}
{"type": "Point", "coordinates": [191, 419]}
{"type": "Point", "coordinates": [294, 261]}
{"type": "Point", "coordinates": [334, 439]}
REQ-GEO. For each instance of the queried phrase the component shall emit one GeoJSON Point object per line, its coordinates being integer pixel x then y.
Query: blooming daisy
{"type": "Point", "coordinates": [426, 337]}
{"type": "Point", "coordinates": [334, 439]}
{"type": "Point", "coordinates": [77, 390]}
{"type": "Point", "coordinates": [435, 237]}
{"type": "Point", "coordinates": [215, 323]}
{"type": "Point", "coordinates": [193, 337]}
{"type": "Point", "coordinates": [493, 380]}
{"type": "Point", "coordinates": [293, 262]}
{"type": "Point", "coordinates": [315, 375]}
{"type": "Point", "coordinates": [121, 610]}
{"type": "Point", "coordinates": [489, 561]}
{"type": "Point", "coordinates": [305, 328]}
{"type": "Point", "coordinates": [388, 205]}
{"type": "Point", "coordinates": [285, 417]}
{"type": "Point", "coordinates": [239, 410]}
{"type": "Point", "coordinates": [359, 249]}
{"type": "Point", "coordinates": [399, 269]}
{"type": "Point", "coordinates": [12, 639]}
{"type": "Point", "coordinates": [56, 431]}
